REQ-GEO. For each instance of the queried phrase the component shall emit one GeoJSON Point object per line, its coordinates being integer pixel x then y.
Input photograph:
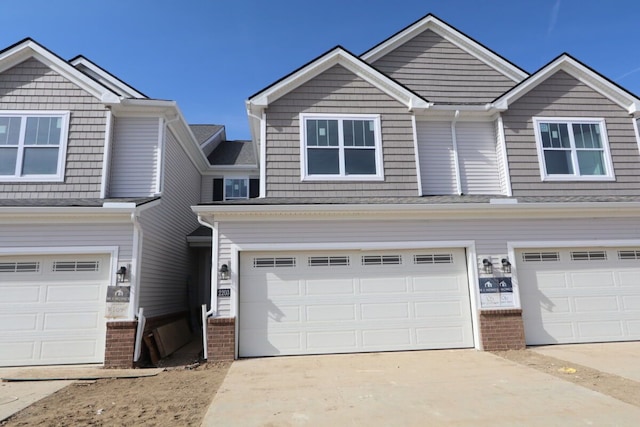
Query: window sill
{"type": "Point", "coordinates": [35, 178]}
{"type": "Point", "coordinates": [348, 178]}
{"type": "Point", "coordinates": [572, 178]}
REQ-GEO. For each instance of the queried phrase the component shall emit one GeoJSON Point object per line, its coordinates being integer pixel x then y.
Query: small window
{"type": "Point", "coordinates": [341, 147]}
{"type": "Point", "coordinates": [76, 266]}
{"type": "Point", "coordinates": [573, 149]}
{"type": "Point", "coordinates": [328, 261]}
{"type": "Point", "coordinates": [433, 259]}
{"type": "Point", "coordinates": [381, 259]}
{"type": "Point", "coordinates": [588, 256]}
{"type": "Point", "coordinates": [236, 188]}
{"type": "Point", "coordinates": [540, 256]}
{"type": "Point", "coordinates": [32, 146]}
{"type": "Point", "coordinates": [19, 267]}
{"type": "Point", "coordinates": [274, 262]}
{"type": "Point", "coordinates": [629, 255]}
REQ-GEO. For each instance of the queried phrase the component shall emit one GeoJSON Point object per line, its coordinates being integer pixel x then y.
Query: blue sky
{"type": "Point", "coordinates": [209, 56]}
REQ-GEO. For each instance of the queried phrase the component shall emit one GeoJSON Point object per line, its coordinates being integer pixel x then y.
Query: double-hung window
{"type": "Point", "coordinates": [236, 188]}
{"type": "Point", "coordinates": [573, 149]}
{"type": "Point", "coordinates": [33, 145]}
{"type": "Point", "coordinates": [340, 147]}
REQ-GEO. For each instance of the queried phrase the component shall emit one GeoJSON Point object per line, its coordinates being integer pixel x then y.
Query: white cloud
{"type": "Point", "coordinates": [627, 74]}
{"type": "Point", "coordinates": [555, 10]}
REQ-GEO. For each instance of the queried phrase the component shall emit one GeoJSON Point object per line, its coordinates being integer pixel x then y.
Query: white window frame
{"type": "Point", "coordinates": [341, 176]}
{"type": "Point", "coordinates": [62, 153]}
{"type": "Point", "coordinates": [224, 187]}
{"type": "Point", "coordinates": [569, 121]}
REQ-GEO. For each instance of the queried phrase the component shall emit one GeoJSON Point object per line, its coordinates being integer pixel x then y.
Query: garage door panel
{"type": "Point", "coordinates": [18, 322]}
{"type": "Point", "coordinates": [12, 351]}
{"type": "Point", "coordinates": [60, 349]}
{"type": "Point", "coordinates": [70, 321]}
{"type": "Point", "coordinates": [441, 337]}
{"type": "Point", "coordinates": [79, 293]}
{"type": "Point", "coordinates": [277, 288]}
{"type": "Point", "coordinates": [350, 306]}
{"type": "Point", "coordinates": [19, 294]}
{"type": "Point", "coordinates": [329, 287]}
{"type": "Point", "coordinates": [330, 312]}
{"type": "Point", "coordinates": [633, 327]}
{"type": "Point", "coordinates": [598, 301]}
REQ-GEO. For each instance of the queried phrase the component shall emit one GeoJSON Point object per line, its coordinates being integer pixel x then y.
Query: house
{"type": "Point", "coordinates": [430, 194]}
{"type": "Point", "coordinates": [96, 184]}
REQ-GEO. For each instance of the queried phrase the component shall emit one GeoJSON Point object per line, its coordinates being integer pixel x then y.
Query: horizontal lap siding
{"type": "Point", "coordinates": [31, 85]}
{"type": "Point", "coordinates": [165, 253]}
{"type": "Point", "coordinates": [490, 235]}
{"type": "Point", "coordinates": [563, 96]}
{"type": "Point", "coordinates": [29, 235]}
{"type": "Point", "coordinates": [441, 72]}
{"type": "Point", "coordinates": [338, 91]}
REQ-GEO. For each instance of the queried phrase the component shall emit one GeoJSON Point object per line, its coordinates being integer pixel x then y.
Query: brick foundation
{"type": "Point", "coordinates": [221, 339]}
{"type": "Point", "coordinates": [501, 330]}
{"type": "Point", "coordinates": [120, 342]}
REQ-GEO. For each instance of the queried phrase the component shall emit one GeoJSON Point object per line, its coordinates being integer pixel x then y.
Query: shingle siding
{"type": "Point", "coordinates": [339, 91]}
{"type": "Point", "coordinates": [31, 85]}
{"type": "Point", "coordinates": [561, 95]}
{"type": "Point", "coordinates": [441, 72]}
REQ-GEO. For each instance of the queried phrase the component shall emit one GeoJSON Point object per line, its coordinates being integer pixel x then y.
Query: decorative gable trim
{"type": "Point", "coordinates": [105, 78]}
{"type": "Point", "coordinates": [581, 72]}
{"type": "Point", "coordinates": [461, 40]}
{"type": "Point", "coordinates": [28, 48]}
{"type": "Point", "coordinates": [336, 56]}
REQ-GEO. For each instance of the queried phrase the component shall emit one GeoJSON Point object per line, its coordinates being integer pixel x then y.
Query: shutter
{"type": "Point", "coordinates": [254, 188]}
{"type": "Point", "coordinates": [218, 189]}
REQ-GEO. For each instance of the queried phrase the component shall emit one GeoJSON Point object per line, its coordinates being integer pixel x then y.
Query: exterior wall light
{"type": "Point", "coordinates": [224, 272]}
{"type": "Point", "coordinates": [121, 274]}
{"type": "Point", "coordinates": [506, 265]}
{"type": "Point", "coordinates": [488, 266]}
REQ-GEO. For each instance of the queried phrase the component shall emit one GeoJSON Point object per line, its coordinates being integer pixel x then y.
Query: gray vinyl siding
{"type": "Point", "coordinates": [437, 161]}
{"type": "Point", "coordinates": [134, 157]}
{"type": "Point", "coordinates": [30, 235]}
{"type": "Point", "coordinates": [165, 254]}
{"type": "Point", "coordinates": [564, 96]}
{"type": "Point", "coordinates": [490, 235]}
{"type": "Point", "coordinates": [501, 165]}
{"type": "Point", "coordinates": [206, 188]}
{"type": "Point", "coordinates": [339, 91]}
{"type": "Point", "coordinates": [31, 85]}
{"type": "Point", "coordinates": [441, 72]}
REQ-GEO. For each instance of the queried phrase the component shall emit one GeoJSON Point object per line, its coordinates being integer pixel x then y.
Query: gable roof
{"type": "Point", "coordinates": [205, 132]}
{"type": "Point", "coordinates": [581, 72]}
{"type": "Point", "coordinates": [336, 56]}
{"type": "Point", "coordinates": [105, 78]}
{"type": "Point", "coordinates": [458, 38]}
{"type": "Point", "coordinates": [234, 153]}
{"type": "Point", "coordinates": [29, 48]}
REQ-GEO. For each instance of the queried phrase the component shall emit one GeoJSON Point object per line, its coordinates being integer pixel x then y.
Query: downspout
{"type": "Point", "coordinates": [263, 150]}
{"type": "Point", "coordinates": [214, 283]}
{"type": "Point", "coordinates": [454, 140]}
{"type": "Point", "coordinates": [136, 256]}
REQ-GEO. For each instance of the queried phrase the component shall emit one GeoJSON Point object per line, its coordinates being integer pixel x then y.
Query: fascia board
{"type": "Point", "coordinates": [460, 40]}
{"type": "Point", "coordinates": [48, 215]}
{"type": "Point", "coordinates": [578, 71]}
{"type": "Point", "coordinates": [441, 211]}
{"type": "Point", "coordinates": [217, 169]}
{"type": "Point", "coordinates": [28, 49]}
{"type": "Point", "coordinates": [338, 57]}
{"type": "Point", "coordinates": [108, 78]}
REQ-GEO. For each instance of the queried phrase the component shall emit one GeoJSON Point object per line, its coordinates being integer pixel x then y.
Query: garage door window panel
{"type": "Point", "coordinates": [573, 149]}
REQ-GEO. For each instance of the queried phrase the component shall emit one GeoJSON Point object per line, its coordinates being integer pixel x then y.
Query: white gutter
{"type": "Point", "coordinates": [134, 275]}
{"type": "Point", "coordinates": [262, 144]}
{"type": "Point", "coordinates": [456, 163]}
{"type": "Point", "coordinates": [214, 265]}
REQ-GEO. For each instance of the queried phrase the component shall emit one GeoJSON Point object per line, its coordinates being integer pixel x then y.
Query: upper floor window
{"type": "Point", "coordinates": [236, 188]}
{"type": "Point", "coordinates": [33, 145]}
{"type": "Point", "coordinates": [573, 149]}
{"type": "Point", "coordinates": [340, 147]}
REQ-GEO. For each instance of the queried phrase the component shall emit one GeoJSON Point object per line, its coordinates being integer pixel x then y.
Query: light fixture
{"type": "Point", "coordinates": [224, 272]}
{"type": "Point", "coordinates": [506, 265]}
{"type": "Point", "coordinates": [121, 274]}
{"type": "Point", "coordinates": [488, 267]}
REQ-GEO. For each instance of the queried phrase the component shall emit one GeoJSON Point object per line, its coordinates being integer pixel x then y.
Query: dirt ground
{"type": "Point", "coordinates": [617, 387]}
{"type": "Point", "coordinates": [178, 397]}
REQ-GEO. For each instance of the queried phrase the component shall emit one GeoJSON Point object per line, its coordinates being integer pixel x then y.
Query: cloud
{"type": "Point", "coordinates": [627, 74]}
{"type": "Point", "coordinates": [554, 17]}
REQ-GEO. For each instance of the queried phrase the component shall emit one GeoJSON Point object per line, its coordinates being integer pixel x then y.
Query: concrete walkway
{"type": "Point", "coordinates": [14, 397]}
{"type": "Point", "coordinates": [422, 388]}
{"type": "Point", "coordinates": [618, 358]}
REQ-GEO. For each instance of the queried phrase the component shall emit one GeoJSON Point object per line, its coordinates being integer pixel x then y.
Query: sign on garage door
{"type": "Point", "coordinates": [340, 302]}
{"type": "Point", "coordinates": [580, 295]}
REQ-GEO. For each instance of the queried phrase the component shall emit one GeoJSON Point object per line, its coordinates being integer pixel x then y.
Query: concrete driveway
{"type": "Point", "coordinates": [421, 388]}
{"type": "Point", "coordinates": [617, 358]}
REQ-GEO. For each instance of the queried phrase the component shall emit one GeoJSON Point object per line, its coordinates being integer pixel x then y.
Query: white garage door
{"type": "Point", "coordinates": [342, 302]}
{"type": "Point", "coordinates": [580, 295]}
{"type": "Point", "coordinates": [52, 309]}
